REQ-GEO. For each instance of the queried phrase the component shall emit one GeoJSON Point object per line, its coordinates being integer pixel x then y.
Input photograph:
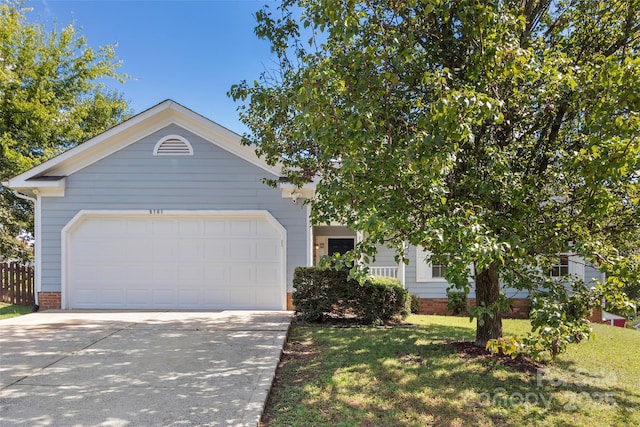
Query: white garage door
{"type": "Point", "coordinates": [133, 261]}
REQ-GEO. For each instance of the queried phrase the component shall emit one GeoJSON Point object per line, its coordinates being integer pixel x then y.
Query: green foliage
{"type": "Point", "coordinates": [415, 377]}
{"type": "Point", "coordinates": [52, 97]}
{"type": "Point", "coordinates": [559, 318]}
{"type": "Point", "coordinates": [323, 293]}
{"type": "Point", "coordinates": [457, 303]}
{"type": "Point", "coordinates": [415, 304]}
{"type": "Point", "coordinates": [8, 310]}
{"type": "Point", "coordinates": [499, 131]}
{"type": "Point", "coordinates": [509, 346]}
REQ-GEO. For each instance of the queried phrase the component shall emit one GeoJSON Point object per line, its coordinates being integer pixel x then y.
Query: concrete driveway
{"type": "Point", "coordinates": [138, 368]}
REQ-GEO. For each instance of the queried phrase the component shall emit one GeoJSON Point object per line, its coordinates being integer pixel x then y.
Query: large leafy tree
{"type": "Point", "coordinates": [494, 133]}
{"type": "Point", "coordinates": [51, 98]}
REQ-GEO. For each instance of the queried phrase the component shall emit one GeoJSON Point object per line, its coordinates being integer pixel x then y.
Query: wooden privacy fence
{"type": "Point", "coordinates": [16, 284]}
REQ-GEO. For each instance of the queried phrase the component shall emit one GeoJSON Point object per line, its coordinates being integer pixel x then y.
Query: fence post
{"type": "Point", "coordinates": [17, 284]}
{"type": "Point", "coordinates": [3, 281]}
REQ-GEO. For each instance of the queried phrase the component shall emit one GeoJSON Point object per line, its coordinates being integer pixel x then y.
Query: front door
{"type": "Point", "coordinates": [340, 246]}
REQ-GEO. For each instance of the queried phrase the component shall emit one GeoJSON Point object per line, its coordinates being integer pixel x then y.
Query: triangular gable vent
{"type": "Point", "coordinates": [173, 145]}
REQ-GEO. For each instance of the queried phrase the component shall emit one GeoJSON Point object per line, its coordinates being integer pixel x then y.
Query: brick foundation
{"type": "Point", "coordinates": [519, 309]}
{"type": "Point", "coordinates": [49, 300]}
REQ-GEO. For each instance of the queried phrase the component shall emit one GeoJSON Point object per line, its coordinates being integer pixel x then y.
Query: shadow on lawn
{"type": "Point", "coordinates": [368, 376]}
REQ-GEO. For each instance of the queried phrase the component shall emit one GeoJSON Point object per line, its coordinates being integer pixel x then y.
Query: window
{"type": "Point", "coordinates": [425, 270]}
{"type": "Point", "coordinates": [568, 265]}
{"type": "Point", "coordinates": [561, 267]}
{"type": "Point", "coordinates": [173, 145]}
{"type": "Point", "coordinates": [437, 270]}
{"type": "Point", "coordinates": [432, 272]}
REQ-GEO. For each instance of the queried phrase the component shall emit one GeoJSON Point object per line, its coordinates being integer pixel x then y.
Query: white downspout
{"type": "Point", "coordinates": [37, 237]}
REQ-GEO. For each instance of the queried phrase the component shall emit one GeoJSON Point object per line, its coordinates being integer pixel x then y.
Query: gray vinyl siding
{"type": "Point", "coordinates": [134, 179]}
{"type": "Point", "coordinates": [432, 289]}
{"type": "Point", "coordinates": [438, 289]}
{"type": "Point", "coordinates": [385, 257]}
{"type": "Point", "coordinates": [591, 274]}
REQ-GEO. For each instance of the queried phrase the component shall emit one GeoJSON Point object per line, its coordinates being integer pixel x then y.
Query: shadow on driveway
{"type": "Point", "coordinates": [111, 368]}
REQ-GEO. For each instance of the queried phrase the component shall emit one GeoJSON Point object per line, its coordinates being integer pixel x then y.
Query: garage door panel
{"type": "Point", "coordinates": [112, 297]}
{"type": "Point", "coordinates": [267, 275]}
{"type": "Point", "coordinates": [161, 298]}
{"type": "Point", "coordinates": [242, 227]}
{"type": "Point", "coordinates": [162, 273]}
{"type": "Point", "coordinates": [190, 250]}
{"type": "Point", "coordinates": [134, 227]}
{"type": "Point", "coordinates": [217, 228]}
{"type": "Point", "coordinates": [195, 262]}
{"type": "Point", "coordinates": [239, 275]}
{"type": "Point", "coordinates": [163, 250]}
{"type": "Point", "coordinates": [190, 227]}
{"type": "Point", "coordinates": [265, 298]}
{"type": "Point", "coordinates": [268, 250]}
{"type": "Point", "coordinates": [111, 226]}
{"type": "Point", "coordinates": [167, 228]}
{"type": "Point", "coordinates": [134, 247]}
{"type": "Point", "coordinates": [241, 250]}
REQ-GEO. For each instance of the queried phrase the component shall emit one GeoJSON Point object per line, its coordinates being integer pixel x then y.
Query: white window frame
{"type": "Point", "coordinates": [424, 269]}
{"type": "Point", "coordinates": [576, 266]}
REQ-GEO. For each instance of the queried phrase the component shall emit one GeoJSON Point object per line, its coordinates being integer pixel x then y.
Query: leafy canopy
{"type": "Point", "coordinates": [498, 133]}
{"type": "Point", "coordinates": [51, 98]}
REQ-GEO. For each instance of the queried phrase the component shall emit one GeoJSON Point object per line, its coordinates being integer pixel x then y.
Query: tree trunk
{"type": "Point", "coordinates": [487, 293]}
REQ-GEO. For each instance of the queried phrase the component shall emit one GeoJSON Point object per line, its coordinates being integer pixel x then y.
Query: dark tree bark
{"type": "Point", "coordinates": [487, 293]}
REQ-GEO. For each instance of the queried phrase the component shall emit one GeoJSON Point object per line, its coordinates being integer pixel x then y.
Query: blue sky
{"type": "Point", "coordinates": [189, 51]}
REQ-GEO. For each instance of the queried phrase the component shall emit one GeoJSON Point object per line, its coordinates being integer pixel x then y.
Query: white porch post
{"type": "Point", "coordinates": [401, 267]}
{"type": "Point", "coordinates": [310, 239]}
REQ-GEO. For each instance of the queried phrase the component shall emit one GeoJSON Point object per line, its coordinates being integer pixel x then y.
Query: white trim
{"type": "Point", "coordinates": [424, 272]}
{"type": "Point", "coordinates": [45, 188]}
{"type": "Point", "coordinates": [85, 214]}
{"type": "Point", "coordinates": [576, 266]}
{"type": "Point", "coordinates": [290, 191]}
{"type": "Point", "coordinates": [166, 139]}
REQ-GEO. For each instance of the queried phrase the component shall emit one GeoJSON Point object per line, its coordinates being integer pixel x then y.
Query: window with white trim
{"type": "Point", "coordinates": [561, 267]}
{"type": "Point", "coordinates": [427, 271]}
{"type": "Point", "coordinates": [567, 265]}
{"type": "Point", "coordinates": [173, 145]}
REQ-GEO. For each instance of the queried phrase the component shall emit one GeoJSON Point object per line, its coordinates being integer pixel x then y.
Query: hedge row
{"type": "Point", "coordinates": [323, 294]}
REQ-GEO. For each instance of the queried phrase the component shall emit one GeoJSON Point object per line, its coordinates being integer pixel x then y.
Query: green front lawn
{"type": "Point", "coordinates": [415, 377]}
{"type": "Point", "coordinates": [10, 310]}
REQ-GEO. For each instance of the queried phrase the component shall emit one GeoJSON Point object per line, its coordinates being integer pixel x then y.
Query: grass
{"type": "Point", "coordinates": [415, 377]}
{"type": "Point", "coordinates": [10, 310]}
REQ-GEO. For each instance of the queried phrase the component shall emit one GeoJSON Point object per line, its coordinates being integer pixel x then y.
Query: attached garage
{"type": "Point", "coordinates": [174, 260]}
{"type": "Point", "coordinates": [167, 210]}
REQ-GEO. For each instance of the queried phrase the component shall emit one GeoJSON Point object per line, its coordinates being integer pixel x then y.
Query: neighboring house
{"type": "Point", "coordinates": [168, 210]}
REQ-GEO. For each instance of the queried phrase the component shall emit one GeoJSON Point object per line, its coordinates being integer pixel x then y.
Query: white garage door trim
{"type": "Point", "coordinates": [83, 215]}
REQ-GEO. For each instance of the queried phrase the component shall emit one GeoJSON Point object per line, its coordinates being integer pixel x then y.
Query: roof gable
{"type": "Point", "coordinates": [166, 113]}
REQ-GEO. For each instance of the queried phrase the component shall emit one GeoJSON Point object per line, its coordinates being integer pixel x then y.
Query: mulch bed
{"type": "Point", "coordinates": [468, 350]}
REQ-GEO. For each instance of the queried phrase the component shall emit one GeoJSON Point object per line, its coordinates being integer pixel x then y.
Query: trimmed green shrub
{"type": "Point", "coordinates": [415, 304]}
{"type": "Point", "coordinates": [322, 294]}
{"type": "Point", "coordinates": [457, 303]}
